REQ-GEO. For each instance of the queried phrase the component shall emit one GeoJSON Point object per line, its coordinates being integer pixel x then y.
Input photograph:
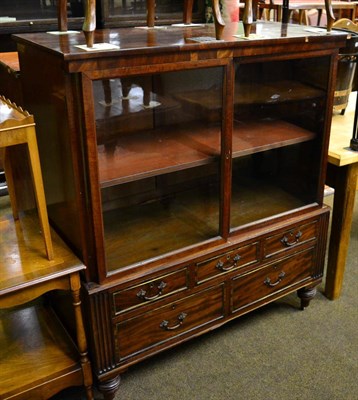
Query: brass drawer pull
{"type": "Point", "coordinates": [142, 294]}
{"type": "Point", "coordinates": [268, 283]}
{"type": "Point", "coordinates": [165, 324]}
{"type": "Point", "coordinates": [220, 264]}
{"type": "Point", "coordinates": [285, 240]}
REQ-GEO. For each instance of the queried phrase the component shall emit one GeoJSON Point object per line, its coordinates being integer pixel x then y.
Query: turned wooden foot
{"type": "Point", "coordinates": [109, 388]}
{"type": "Point", "coordinates": [306, 295]}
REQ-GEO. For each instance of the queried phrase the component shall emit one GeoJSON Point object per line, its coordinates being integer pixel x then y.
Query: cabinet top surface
{"type": "Point", "coordinates": [169, 39]}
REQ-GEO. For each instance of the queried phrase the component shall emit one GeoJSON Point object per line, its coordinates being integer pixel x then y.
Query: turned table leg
{"type": "Point", "coordinates": [81, 337]}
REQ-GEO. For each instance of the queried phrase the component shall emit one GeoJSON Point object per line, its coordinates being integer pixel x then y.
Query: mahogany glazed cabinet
{"type": "Point", "coordinates": [186, 172]}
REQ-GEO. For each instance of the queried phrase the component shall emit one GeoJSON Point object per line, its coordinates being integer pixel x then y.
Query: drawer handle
{"type": "Point", "coordinates": [142, 294]}
{"type": "Point", "coordinates": [285, 240]}
{"type": "Point", "coordinates": [165, 324]}
{"type": "Point", "coordinates": [268, 283]}
{"type": "Point", "coordinates": [220, 264]}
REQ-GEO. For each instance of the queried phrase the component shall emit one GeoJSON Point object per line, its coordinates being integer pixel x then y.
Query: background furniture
{"type": "Point", "coordinates": [115, 13]}
{"type": "Point", "coordinates": [349, 8]}
{"type": "Point", "coordinates": [34, 16]}
{"type": "Point", "coordinates": [10, 86]}
{"type": "Point", "coordinates": [194, 193]}
{"type": "Point", "coordinates": [342, 175]}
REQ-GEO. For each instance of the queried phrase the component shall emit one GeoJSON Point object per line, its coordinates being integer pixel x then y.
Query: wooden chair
{"type": "Point", "coordinates": [345, 23]}
{"type": "Point", "coordinates": [18, 127]}
{"type": "Point", "coordinates": [264, 10]}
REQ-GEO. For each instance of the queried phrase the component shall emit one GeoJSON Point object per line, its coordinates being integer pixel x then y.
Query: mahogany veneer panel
{"type": "Point", "coordinates": [267, 281]}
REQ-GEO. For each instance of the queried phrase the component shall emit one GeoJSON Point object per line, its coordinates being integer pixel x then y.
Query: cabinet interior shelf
{"type": "Point", "coordinates": [142, 155]}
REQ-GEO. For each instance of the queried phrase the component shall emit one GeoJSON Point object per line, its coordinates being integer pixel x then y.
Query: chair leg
{"type": "Point", "coordinates": [10, 182]}
{"type": "Point", "coordinates": [39, 190]}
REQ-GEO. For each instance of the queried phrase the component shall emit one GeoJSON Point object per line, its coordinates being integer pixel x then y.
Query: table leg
{"type": "Point", "coordinates": [81, 336]}
{"type": "Point", "coordinates": [345, 185]}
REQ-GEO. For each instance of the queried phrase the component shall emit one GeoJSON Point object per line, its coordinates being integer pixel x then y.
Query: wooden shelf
{"type": "Point", "coordinates": [253, 93]}
{"type": "Point", "coordinates": [275, 92]}
{"type": "Point", "coordinates": [35, 348]}
{"type": "Point", "coordinates": [145, 154]}
{"type": "Point", "coordinates": [253, 137]}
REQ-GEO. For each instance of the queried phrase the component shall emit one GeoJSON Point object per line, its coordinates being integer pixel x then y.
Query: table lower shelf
{"type": "Point", "coordinates": [38, 357]}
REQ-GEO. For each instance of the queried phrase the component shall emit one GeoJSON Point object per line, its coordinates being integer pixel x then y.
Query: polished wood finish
{"type": "Point", "coordinates": [191, 174]}
{"type": "Point", "coordinates": [330, 14]}
{"type": "Point", "coordinates": [89, 23]}
{"type": "Point", "coordinates": [342, 175]}
{"type": "Point", "coordinates": [18, 127]}
{"type": "Point", "coordinates": [247, 18]}
{"type": "Point", "coordinates": [218, 19]}
{"type": "Point", "coordinates": [188, 11]}
{"type": "Point", "coordinates": [62, 15]}
{"type": "Point", "coordinates": [41, 358]}
{"type": "Point", "coordinates": [150, 13]}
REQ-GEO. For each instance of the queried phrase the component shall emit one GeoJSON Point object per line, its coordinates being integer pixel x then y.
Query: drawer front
{"type": "Point", "coordinates": [289, 239]}
{"type": "Point", "coordinates": [226, 262]}
{"type": "Point", "coordinates": [160, 325]}
{"type": "Point", "coordinates": [149, 291]}
{"type": "Point", "coordinates": [260, 284]}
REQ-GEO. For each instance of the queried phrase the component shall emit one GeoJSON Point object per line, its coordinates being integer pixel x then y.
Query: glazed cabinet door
{"type": "Point", "coordinates": [280, 120]}
{"type": "Point", "coordinates": [158, 163]}
{"type": "Point", "coordinates": [16, 12]}
{"type": "Point", "coordinates": [116, 13]}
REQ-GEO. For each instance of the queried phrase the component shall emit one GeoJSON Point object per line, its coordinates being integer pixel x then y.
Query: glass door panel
{"type": "Point", "coordinates": [23, 10]}
{"type": "Point", "coordinates": [277, 140]}
{"type": "Point", "coordinates": [166, 11]}
{"type": "Point", "coordinates": [159, 158]}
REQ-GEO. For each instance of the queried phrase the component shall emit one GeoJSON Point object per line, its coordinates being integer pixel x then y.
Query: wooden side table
{"type": "Point", "coordinates": [38, 357]}
{"type": "Point", "coordinates": [342, 174]}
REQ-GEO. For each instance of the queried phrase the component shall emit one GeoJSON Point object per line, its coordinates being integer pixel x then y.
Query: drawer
{"type": "Point", "coordinates": [160, 325]}
{"type": "Point", "coordinates": [260, 284]}
{"type": "Point", "coordinates": [229, 261]}
{"type": "Point", "coordinates": [149, 291]}
{"type": "Point", "coordinates": [289, 239]}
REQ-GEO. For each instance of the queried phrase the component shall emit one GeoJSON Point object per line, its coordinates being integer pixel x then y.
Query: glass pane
{"type": "Point", "coordinates": [19, 10]}
{"type": "Point", "coordinates": [163, 8]}
{"type": "Point", "coordinates": [278, 127]}
{"type": "Point", "coordinates": [159, 162]}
